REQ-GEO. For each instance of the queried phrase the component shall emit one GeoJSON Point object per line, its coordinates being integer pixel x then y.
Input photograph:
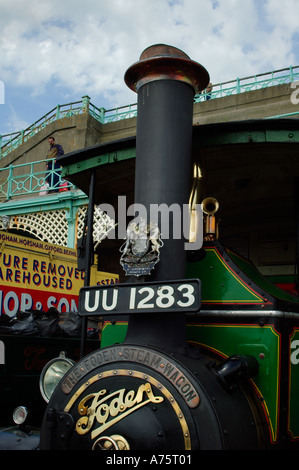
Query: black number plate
{"type": "Point", "coordinates": [123, 299]}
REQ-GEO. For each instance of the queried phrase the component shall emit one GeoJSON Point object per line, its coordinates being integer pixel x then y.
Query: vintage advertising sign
{"type": "Point", "coordinates": [39, 275]}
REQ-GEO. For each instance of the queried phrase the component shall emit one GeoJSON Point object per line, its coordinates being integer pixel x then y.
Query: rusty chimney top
{"type": "Point", "coordinates": [160, 61]}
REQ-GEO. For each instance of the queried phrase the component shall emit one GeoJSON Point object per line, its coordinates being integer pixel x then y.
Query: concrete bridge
{"type": "Point", "coordinates": [82, 125]}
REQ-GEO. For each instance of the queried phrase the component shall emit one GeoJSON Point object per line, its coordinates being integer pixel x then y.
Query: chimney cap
{"type": "Point", "coordinates": [160, 62]}
{"type": "Point", "coordinates": [159, 50]}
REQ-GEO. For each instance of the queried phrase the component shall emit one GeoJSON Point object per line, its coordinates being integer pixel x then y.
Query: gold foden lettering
{"type": "Point", "coordinates": [112, 408]}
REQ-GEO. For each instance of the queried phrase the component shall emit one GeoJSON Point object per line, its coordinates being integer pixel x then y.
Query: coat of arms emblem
{"type": "Point", "coordinates": [141, 250]}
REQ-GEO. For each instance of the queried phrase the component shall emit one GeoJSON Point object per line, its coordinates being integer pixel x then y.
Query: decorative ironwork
{"type": "Point", "coordinates": [29, 178]}
{"type": "Point", "coordinates": [53, 227]}
{"type": "Point", "coordinates": [103, 224]}
{"type": "Point", "coordinates": [50, 226]}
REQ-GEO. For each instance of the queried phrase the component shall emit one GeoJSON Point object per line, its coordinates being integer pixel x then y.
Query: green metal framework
{"type": "Point", "coordinates": [28, 179]}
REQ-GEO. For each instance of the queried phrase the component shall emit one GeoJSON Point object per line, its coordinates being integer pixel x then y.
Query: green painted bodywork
{"type": "Point", "coordinates": [227, 278]}
{"type": "Point", "coordinates": [293, 421]}
{"type": "Point", "coordinates": [238, 317]}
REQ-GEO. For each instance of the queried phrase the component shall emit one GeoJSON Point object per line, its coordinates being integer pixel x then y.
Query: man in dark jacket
{"type": "Point", "coordinates": [53, 177]}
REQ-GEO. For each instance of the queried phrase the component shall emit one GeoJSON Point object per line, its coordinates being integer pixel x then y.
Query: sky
{"type": "Point", "coordinates": [56, 51]}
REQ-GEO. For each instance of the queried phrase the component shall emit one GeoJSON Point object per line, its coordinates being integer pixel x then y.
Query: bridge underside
{"type": "Point", "coordinates": [250, 167]}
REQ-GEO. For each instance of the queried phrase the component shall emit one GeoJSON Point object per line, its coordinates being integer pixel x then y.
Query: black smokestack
{"type": "Point", "coordinates": [166, 80]}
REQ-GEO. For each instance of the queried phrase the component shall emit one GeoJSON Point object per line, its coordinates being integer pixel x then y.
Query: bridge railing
{"type": "Point", "coordinates": [250, 83]}
{"type": "Point", "coordinates": [31, 179]}
{"type": "Point", "coordinates": [9, 142]}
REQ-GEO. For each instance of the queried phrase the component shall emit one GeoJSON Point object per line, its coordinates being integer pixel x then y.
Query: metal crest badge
{"type": "Point", "coordinates": [141, 250]}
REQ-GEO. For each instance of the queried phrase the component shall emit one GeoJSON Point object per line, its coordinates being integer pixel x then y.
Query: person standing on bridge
{"type": "Point", "coordinates": [53, 178]}
{"type": "Point", "coordinates": [208, 91]}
